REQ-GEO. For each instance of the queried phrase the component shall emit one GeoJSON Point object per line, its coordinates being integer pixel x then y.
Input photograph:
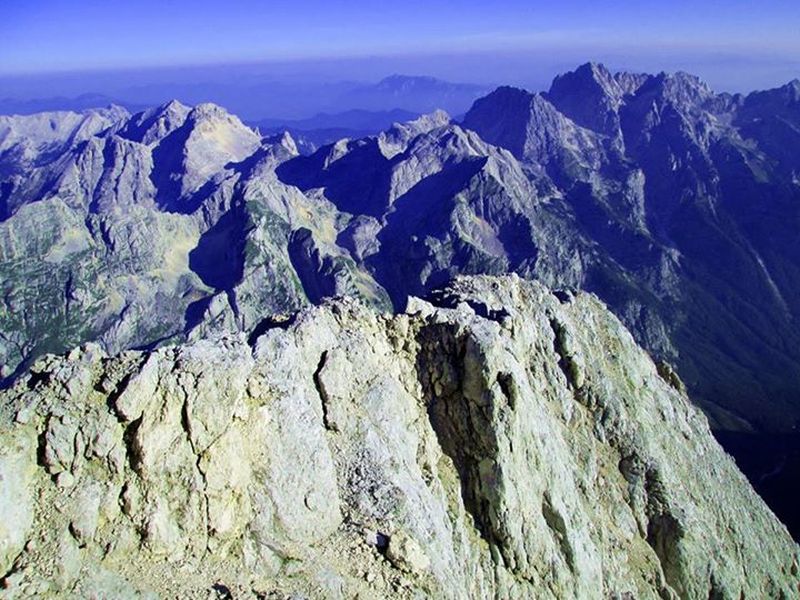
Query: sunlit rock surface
{"type": "Point", "coordinates": [498, 440]}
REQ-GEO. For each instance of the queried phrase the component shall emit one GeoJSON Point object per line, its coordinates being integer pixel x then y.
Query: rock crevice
{"type": "Point", "coordinates": [441, 452]}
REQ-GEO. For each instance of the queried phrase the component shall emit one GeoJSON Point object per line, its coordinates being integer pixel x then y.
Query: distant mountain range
{"type": "Point", "coordinates": [325, 128]}
{"type": "Point", "coordinates": [415, 94]}
{"type": "Point", "coordinates": [351, 119]}
{"type": "Point", "coordinates": [11, 106]}
{"type": "Point", "coordinates": [678, 206]}
{"type": "Point", "coordinates": [280, 101]}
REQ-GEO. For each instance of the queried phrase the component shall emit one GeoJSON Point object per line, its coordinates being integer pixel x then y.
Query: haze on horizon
{"type": "Point", "coordinates": [60, 47]}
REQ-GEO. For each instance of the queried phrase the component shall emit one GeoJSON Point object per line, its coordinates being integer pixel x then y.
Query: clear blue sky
{"type": "Point", "coordinates": [476, 37]}
{"type": "Point", "coordinates": [46, 35]}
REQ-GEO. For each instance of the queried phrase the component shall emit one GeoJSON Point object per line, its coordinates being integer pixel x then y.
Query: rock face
{"type": "Point", "coordinates": [495, 441]}
{"type": "Point", "coordinates": [132, 231]}
{"type": "Point", "coordinates": [677, 206]}
{"type": "Point", "coordinates": [695, 209]}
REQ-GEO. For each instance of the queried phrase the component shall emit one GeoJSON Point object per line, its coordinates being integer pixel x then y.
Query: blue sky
{"type": "Point", "coordinates": [461, 38]}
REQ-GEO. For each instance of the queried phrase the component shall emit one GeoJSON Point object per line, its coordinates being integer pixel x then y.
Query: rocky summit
{"type": "Point", "coordinates": [497, 440]}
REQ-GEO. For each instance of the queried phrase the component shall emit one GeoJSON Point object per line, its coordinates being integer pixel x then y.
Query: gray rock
{"type": "Point", "coordinates": [676, 205]}
{"type": "Point", "coordinates": [508, 443]}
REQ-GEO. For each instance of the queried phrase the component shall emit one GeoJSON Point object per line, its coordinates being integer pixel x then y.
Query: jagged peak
{"type": "Point", "coordinates": [590, 95]}
{"type": "Point", "coordinates": [629, 83]}
{"type": "Point", "coordinates": [503, 117]}
{"type": "Point", "coordinates": [173, 108]}
{"type": "Point", "coordinates": [453, 144]}
{"type": "Point", "coordinates": [688, 79]}
{"type": "Point", "coordinates": [174, 105]}
{"type": "Point", "coordinates": [681, 86]}
{"type": "Point", "coordinates": [115, 111]}
{"type": "Point", "coordinates": [437, 118]}
{"type": "Point", "coordinates": [209, 119]}
{"type": "Point", "coordinates": [395, 140]}
{"type": "Point", "coordinates": [775, 99]}
{"type": "Point", "coordinates": [590, 75]}
{"type": "Point", "coordinates": [153, 124]}
{"type": "Point", "coordinates": [794, 88]}
{"type": "Point", "coordinates": [422, 124]}
{"type": "Point", "coordinates": [455, 134]}
{"type": "Point", "coordinates": [508, 91]}
{"type": "Point", "coordinates": [57, 127]}
{"type": "Point", "coordinates": [286, 141]}
{"type": "Point", "coordinates": [596, 70]}
{"type": "Point", "coordinates": [790, 90]}
{"type": "Point", "coordinates": [209, 110]}
{"type": "Point", "coordinates": [398, 80]}
{"type": "Point", "coordinates": [501, 100]}
{"type": "Point", "coordinates": [519, 101]}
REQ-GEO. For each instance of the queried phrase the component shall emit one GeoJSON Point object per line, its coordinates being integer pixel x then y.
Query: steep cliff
{"type": "Point", "coordinates": [497, 440]}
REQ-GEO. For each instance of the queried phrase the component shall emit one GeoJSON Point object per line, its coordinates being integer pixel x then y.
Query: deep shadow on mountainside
{"type": "Point", "coordinates": [677, 206]}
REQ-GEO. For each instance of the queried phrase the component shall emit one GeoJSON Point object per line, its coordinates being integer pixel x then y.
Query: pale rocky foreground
{"type": "Point", "coordinates": [500, 441]}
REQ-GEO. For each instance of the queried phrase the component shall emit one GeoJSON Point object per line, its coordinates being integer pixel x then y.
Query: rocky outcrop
{"type": "Point", "coordinates": [497, 440]}
{"type": "Point", "coordinates": [677, 206]}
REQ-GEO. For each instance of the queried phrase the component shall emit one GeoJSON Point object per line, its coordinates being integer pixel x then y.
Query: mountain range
{"type": "Point", "coordinates": [311, 133]}
{"type": "Point", "coordinates": [257, 99]}
{"type": "Point", "coordinates": [679, 207]}
{"type": "Point", "coordinates": [13, 106]}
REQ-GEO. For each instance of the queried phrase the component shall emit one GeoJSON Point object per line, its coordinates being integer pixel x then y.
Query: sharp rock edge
{"type": "Point", "coordinates": [496, 441]}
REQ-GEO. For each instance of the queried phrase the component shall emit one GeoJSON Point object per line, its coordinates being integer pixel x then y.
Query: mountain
{"type": "Point", "coordinates": [498, 441]}
{"type": "Point", "coordinates": [12, 106]}
{"type": "Point", "coordinates": [365, 120]}
{"type": "Point", "coordinates": [322, 129]}
{"type": "Point", "coordinates": [677, 206]}
{"type": "Point", "coordinates": [413, 93]}
{"type": "Point", "coordinates": [256, 96]}
{"type": "Point", "coordinates": [663, 174]}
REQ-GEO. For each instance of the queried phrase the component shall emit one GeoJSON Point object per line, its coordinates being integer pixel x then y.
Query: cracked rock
{"type": "Point", "coordinates": [425, 455]}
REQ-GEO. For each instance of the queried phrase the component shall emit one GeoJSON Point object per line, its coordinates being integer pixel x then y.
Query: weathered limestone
{"type": "Point", "coordinates": [495, 441]}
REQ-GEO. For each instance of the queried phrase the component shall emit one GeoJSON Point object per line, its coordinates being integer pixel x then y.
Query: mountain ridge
{"type": "Point", "coordinates": [256, 99]}
{"type": "Point", "coordinates": [496, 440]}
{"type": "Point", "coordinates": [552, 142]}
{"type": "Point", "coordinates": [677, 206]}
